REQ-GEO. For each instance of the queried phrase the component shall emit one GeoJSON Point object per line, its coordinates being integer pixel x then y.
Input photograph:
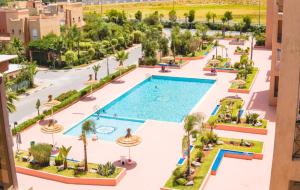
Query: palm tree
{"type": "Point", "coordinates": [38, 105]}
{"type": "Point", "coordinates": [96, 69]}
{"type": "Point", "coordinates": [214, 16]}
{"type": "Point", "coordinates": [186, 17]}
{"type": "Point", "coordinates": [63, 151]}
{"type": "Point", "coordinates": [121, 56]}
{"type": "Point", "coordinates": [87, 127]}
{"type": "Point", "coordinates": [11, 96]}
{"type": "Point", "coordinates": [217, 45]}
{"type": "Point", "coordinates": [223, 19]}
{"type": "Point", "coordinates": [192, 125]}
{"type": "Point", "coordinates": [212, 123]}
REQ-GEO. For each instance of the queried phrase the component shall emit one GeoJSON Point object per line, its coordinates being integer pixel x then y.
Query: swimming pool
{"type": "Point", "coordinates": [157, 97]}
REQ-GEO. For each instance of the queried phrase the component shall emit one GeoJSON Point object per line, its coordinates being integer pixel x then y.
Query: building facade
{"type": "Point", "coordinates": [8, 178]}
{"type": "Point", "coordinates": [286, 159]}
{"type": "Point", "coordinates": [274, 41]}
{"type": "Point", "coordinates": [32, 20]}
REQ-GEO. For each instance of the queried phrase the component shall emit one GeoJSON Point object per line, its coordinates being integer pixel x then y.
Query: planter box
{"type": "Point", "coordinates": [240, 53]}
{"type": "Point", "coordinates": [72, 180]}
{"type": "Point", "coordinates": [260, 47]}
{"type": "Point", "coordinates": [252, 130]}
{"type": "Point", "coordinates": [222, 70]}
{"type": "Point", "coordinates": [170, 67]}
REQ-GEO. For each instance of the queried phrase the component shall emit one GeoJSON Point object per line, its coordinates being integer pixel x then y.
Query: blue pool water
{"type": "Point", "coordinates": [160, 98]}
{"type": "Point", "coordinates": [157, 98]}
{"type": "Point", "coordinates": [220, 156]}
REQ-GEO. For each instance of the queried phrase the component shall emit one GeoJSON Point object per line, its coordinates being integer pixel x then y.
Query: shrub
{"type": "Point", "coordinates": [41, 153]}
{"type": "Point", "coordinates": [200, 155]}
{"type": "Point", "coordinates": [181, 181]}
{"type": "Point", "coordinates": [177, 173]}
{"type": "Point", "coordinates": [66, 95]}
{"type": "Point", "coordinates": [58, 160]}
{"type": "Point", "coordinates": [106, 169]}
{"type": "Point", "coordinates": [150, 61]}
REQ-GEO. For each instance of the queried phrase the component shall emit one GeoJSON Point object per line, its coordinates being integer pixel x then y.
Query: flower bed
{"type": "Point", "coordinates": [72, 99]}
{"type": "Point", "coordinates": [68, 175]}
{"type": "Point", "coordinates": [229, 117]}
{"type": "Point", "coordinates": [249, 83]}
{"type": "Point", "coordinates": [203, 172]}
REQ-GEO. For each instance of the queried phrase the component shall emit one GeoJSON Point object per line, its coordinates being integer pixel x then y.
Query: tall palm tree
{"type": "Point", "coordinates": [63, 151]}
{"type": "Point", "coordinates": [87, 127]}
{"type": "Point", "coordinates": [11, 96]}
{"type": "Point", "coordinates": [121, 56]}
{"type": "Point", "coordinates": [193, 124]}
{"type": "Point", "coordinates": [214, 16]}
{"type": "Point", "coordinates": [96, 68]}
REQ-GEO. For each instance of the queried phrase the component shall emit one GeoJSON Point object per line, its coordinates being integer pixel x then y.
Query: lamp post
{"type": "Point", "coordinates": [17, 142]}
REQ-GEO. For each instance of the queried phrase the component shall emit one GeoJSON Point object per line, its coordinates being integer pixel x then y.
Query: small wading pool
{"type": "Point", "coordinates": [157, 98]}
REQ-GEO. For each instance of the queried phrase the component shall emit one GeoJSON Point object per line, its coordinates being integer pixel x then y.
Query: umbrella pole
{"type": "Point", "coordinates": [53, 141]}
{"type": "Point", "coordinates": [129, 154]}
{"type": "Point", "coordinates": [91, 88]}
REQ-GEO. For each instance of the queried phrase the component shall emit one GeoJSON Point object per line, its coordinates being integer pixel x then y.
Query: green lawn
{"type": "Point", "coordinates": [249, 80]}
{"type": "Point", "coordinates": [67, 172]}
{"type": "Point", "coordinates": [239, 8]}
{"type": "Point", "coordinates": [221, 65]}
{"type": "Point", "coordinates": [202, 171]}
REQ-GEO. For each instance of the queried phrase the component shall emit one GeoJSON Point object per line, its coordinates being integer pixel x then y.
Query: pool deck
{"type": "Point", "coordinates": [158, 154]}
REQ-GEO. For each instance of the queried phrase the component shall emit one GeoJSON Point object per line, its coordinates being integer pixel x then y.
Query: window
{"type": "Point", "coordinates": [79, 19]}
{"type": "Point", "coordinates": [13, 31]}
{"type": "Point", "coordinates": [278, 54]}
{"type": "Point", "coordinates": [276, 86]}
{"type": "Point", "coordinates": [294, 185]}
{"type": "Point", "coordinates": [20, 32]}
{"type": "Point", "coordinates": [34, 34]}
{"type": "Point", "coordinates": [279, 31]}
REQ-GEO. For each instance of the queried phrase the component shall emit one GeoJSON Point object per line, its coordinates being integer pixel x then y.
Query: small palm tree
{"type": "Point", "coordinates": [63, 151]}
{"type": "Point", "coordinates": [38, 105]}
{"type": "Point", "coordinates": [192, 124]}
{"type": "Point", "coordinates": [87, 127]}
{"type": "Point", "coordinates": [217, 45]}
{"type": "Point", "coordinates": [212, 123]}
{"type": "Point", "coordinates": [214, 16]}
{"type": "Point", "coordinates": [121, 56]}
{"type": "Point", "coordinates": [96, 68]}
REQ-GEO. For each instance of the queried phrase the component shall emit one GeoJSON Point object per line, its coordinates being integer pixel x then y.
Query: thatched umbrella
{"type": "Point", "coordinates": [214, 62]}
{"type": "Point", "coordinates": [91, 82]}
{"type": "Point", "coordinates": [129, 140]}
{"type": "Point", "coordinates": [51, 128]}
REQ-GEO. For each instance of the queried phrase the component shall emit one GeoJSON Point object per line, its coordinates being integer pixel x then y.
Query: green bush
{"type": "Point", "coordinates": [106, 169]}
{"type": "Point", "coordinates": [181, 181]}
{"type": "Point", "coordinates": [58, 160]}
{"type": "Point", "coordinates": [41, 153]}
{"type": "Point", "coordinates": [66, 95]}
{"type": "Point", "coordinates": [177, 173]}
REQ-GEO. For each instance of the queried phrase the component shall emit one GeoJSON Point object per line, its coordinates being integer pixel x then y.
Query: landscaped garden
{"type": "Point", "coordinates": [230, 113]}
{"type": "Point", "coordinates": [199, 160]}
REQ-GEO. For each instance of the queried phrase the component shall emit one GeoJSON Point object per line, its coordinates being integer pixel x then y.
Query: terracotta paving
{"type": "Point", "coordinates": [160, 150]}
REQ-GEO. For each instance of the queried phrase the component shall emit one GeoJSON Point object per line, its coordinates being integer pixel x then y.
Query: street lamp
{"type": "Point", "coordinates": [259, 12]}
{"type": "Point", "coordinates": [17, 136]}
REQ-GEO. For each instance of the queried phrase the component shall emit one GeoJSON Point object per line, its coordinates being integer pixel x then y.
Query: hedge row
{"type": "Point", "coordinates": [72, 97]}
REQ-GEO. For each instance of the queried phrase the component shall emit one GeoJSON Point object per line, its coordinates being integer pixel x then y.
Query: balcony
{"type": "Point", "coordinates": [280, 6]}
{"type": "Point", "coordinates": [296, 150]}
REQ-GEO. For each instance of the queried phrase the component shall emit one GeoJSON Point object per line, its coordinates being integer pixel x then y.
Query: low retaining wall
{"type": "Point", "coordinates": [73, 180]}
{"type": "Point", "coordinates": [222, 70]}
{"type": "Point", "coordinates": [242, 91]}
{"type": "Point", "coordinates": [240, 43]}
{"type": "Point", "coordinates": [239, 53]}
{"type": "Point", "coordinates": [189, 58]}
{"type": "Point", "coordinates": [224, 127]}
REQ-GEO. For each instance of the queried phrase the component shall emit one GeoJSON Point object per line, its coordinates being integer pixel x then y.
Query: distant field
{"type": "Point", "coordinates": [239, 8]}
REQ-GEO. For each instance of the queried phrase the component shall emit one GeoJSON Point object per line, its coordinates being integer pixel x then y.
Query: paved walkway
{"type": "Point", "coordinates": [161, 147]}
